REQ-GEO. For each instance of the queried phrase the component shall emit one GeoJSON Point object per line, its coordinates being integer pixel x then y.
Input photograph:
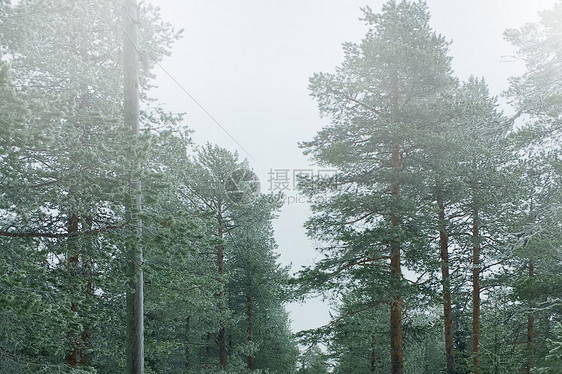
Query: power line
{"type": "Point", "coordinates": [142, 55]}
{"type": "Point", "coordinates": [203, 109]}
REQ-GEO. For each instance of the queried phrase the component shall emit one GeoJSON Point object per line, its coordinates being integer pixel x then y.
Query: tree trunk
{"type": "Point", "coordinates": [396, 353]}
{"type": "Point", "coordinates": [187, 320]}
{"type": "Point", "coordinates": [373, 355]}
{"type": "Point", "coordinates": [135, 291]}
{"type": "Point", "coordinates": [446, 282]}
{"type": "Point", "coordinates": [73, 263]}
{"type": "Point", "coordinates": [208, 348]}
{"type": "Point", "coordinates": [530, 327]}
{"type": "Point", "coordinates": [85, 334]}
{"type": "Point", "coordinates": [475, 291]}
{"type": "Point", "coordinates": [250, 329]}
{"type": "Point", "coordinates": [78, 353]}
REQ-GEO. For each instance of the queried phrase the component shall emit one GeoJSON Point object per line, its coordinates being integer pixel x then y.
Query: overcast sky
{"type": "Point", "coordinates": [247, 62]}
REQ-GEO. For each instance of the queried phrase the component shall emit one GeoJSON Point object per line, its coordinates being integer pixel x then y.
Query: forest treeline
{"type": "Point", "coordinates": [440, 234]}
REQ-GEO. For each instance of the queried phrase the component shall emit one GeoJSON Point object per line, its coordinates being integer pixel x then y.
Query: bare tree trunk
{"type": "Point", "coordinates": [446, 282]}
{"type": "Point", "coordinates": [250, 329]}
{"type": "Point", "coordinates": [475, 291]}
{"type": "Point", "coordinates": [135, 301]}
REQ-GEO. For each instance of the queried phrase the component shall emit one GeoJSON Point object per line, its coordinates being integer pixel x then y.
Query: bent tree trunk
{"type": "Point", "coordinates": [446, 282]}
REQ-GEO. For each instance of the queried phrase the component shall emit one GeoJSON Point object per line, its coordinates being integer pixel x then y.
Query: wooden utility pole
{"type": "Point", "coordinates": [530, 326]}
{"type": "Point", "coordinates": [223, 334]}
{"type": "Point", "coordinates": [135, 307]}
{"type": "Point", "coordinates": [446, 281]}
{"type": "Point", "coordinates": [476, 360]}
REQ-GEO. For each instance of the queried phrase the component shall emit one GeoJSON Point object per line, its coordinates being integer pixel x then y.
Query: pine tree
{"type": "Point", "coordinates": [381, 100]}
{"type": "Point", "coordinates": [537, 91]}
{"type": "Point", "coordinates": [257, 287]}
{"type": "Point", "coordinates": [482, 131]}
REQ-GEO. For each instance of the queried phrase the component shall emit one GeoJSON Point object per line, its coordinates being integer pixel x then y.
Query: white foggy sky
{"type": "Point", "coordinates": [248, 63]}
